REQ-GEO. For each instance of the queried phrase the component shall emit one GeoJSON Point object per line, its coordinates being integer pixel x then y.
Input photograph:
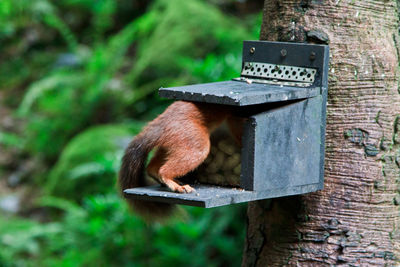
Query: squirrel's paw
{"type": "Point", "coordinates": [179, 188]}
{"type": "Point", "coordinates": [188, 188]}
{"type": "Point", "coordinates": [184, 189]}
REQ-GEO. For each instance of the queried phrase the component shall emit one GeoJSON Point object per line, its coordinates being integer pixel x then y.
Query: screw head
{"type": "Point", "coordinates": [283, 52]}
{"type": "Point", "coordinates": [312, 55]}
{"type": "Point", "coordinates": [252, 50]}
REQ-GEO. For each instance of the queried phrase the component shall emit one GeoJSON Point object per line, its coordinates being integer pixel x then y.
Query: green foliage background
{"type": "Point", "coordinates": [80, 78]}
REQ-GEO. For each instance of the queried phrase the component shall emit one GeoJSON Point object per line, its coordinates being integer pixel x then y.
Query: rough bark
{"type": "Point", "coordinates": [355, 220]}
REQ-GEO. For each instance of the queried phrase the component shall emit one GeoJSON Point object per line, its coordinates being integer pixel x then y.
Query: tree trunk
{"type": "Point", "coordinates": [354, 221]}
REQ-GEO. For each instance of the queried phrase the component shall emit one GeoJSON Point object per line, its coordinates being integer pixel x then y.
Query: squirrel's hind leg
{"type": "Point", "coordinates": [155, 164]}
{"type": "Point", "coordinates": [181, 159]}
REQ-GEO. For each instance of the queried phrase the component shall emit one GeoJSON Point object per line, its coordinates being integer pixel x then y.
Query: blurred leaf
{"type": "Point", "coordinates": [89, 163]}
{"type": "Point", "coordinates": [59, 203]}
{"type": "Point", "coordinates": [39, 88]}
{"type": "Point", "coordinates": [10, 139]}
{"type": "Point", "coordinates": [184, 29]}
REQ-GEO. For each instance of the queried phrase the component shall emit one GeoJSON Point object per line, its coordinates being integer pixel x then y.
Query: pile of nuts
{"type": "Point", "coordinates": [222, 166]}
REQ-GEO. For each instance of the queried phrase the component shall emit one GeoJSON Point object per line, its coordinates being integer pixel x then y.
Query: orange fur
{"type": "Point", "coordinates": [182, 137]}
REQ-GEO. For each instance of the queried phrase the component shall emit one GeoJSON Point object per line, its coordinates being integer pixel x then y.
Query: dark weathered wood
{"type": "Point", "coordinates": [354, 221]}
{"type": "Point", "coordinates": [238, 93]}
{"type": "Point", "coordinates": [206, 196]}
{"type": "Point", "coordinates": [281, 147]}
{"type": "Point", "coordinates": [210, 196]}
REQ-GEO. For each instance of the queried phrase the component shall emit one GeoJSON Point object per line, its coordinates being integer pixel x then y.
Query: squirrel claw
{"type": "Point", "coordinates": [188, 188]}
{"type": "Point", "coordinates": [184, 189]}
{"type": "Point", "coordinates": [173, 186]}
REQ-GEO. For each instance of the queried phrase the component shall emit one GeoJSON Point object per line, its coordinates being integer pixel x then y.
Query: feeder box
{"type": "Point", "coordinates": [283, 142]}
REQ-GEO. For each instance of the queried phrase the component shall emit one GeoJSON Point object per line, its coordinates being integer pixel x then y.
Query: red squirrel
{"type": "Point", "coordinates": [181, 135]}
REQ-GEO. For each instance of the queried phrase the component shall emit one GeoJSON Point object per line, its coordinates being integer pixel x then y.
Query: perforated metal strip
{"type": "Point", "coordinates": [275, 82]}
{"type": "Point", "coordinates": [278, 72]}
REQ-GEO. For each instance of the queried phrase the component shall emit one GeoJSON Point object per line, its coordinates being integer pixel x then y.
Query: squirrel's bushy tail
{"type": "Point", "coordinates": [132, 175]}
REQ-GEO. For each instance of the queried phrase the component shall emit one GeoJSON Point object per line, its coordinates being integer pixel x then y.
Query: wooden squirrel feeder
{"type": "Point", "coordinates": [283, 90]}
